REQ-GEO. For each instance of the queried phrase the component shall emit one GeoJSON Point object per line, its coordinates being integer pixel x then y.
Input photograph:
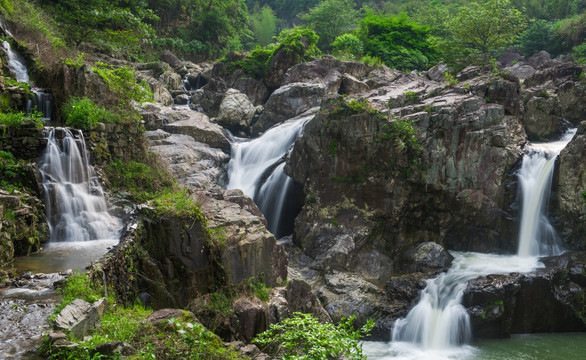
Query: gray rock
{"type": "Point", "coordinates": [161, 316]}
{"type": "Point", "coordinates": [181, 99]}
{"type": "Point", "coordinates": [539, 59]}
{"type": "Point", "coordinates": [116, 348]}
{"type": "Point", "coordinates": [171, 59]}
{"type": "Point", "coordinates": [199, 127]}
{"type": "Point", "coordinates": [251, 318]}
{"type": "Point", "coordinates": [437, 72]}
{"type": "Point", "coordinates": [521, 70]}
{"type": "Point", "coordinates": [171, 80]}
{"type": "Point", "coordinates": [350, 85]}
{"type": "Point", "coordinates": [79, 317]}
{"type": "Point", "coordinates": [236, 111]}
{"type": "Point", "coordinates": [430, 256]}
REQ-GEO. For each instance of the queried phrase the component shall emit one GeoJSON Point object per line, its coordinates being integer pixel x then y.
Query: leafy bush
{"type": "Point", "coordinates": [348, 45]}
{"type": "Point", "coordinates": [16, 119]}
{"type": "Point", "coordinates": [579, 53]}
{"type": "Point", "coordinates": [180, 46]}
{"type": "Point", "coordinates": [539, 36]}
{"type": "Point", "coordinates": [121, 81]}
{"type": "Point", "coordinates": [398, 41]}
{"type": "Point", "coordinates": [84, 114]}
{"type": "Point", "coordinates": [302, 336]}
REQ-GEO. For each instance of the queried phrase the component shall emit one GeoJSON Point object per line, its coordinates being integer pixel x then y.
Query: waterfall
{"type": "Point", "coordinates": [537, 236]}
{"type": "Point", "coordinates": [256, 167]}
{"type": "Point", "coordinates": [42, 101]}
{"type": "Point", "coordinates": [75, 205]}
{"type": "Point", "coordinates": [439, 322]}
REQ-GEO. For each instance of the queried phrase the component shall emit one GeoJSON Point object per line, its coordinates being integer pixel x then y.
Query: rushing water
{"type": "Point", "coordinates": [256, 167]}
{"type": "Point", "coordinates": [438, 327]}
{"type": "Point", "coordinates": [537, 237]}
{"type": "Point", "coordinates": [42, 101]}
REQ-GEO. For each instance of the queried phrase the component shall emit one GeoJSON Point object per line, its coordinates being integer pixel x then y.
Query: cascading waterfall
{"type": "Point", "coordinates": [75, 205]}
{"type": "Point", "coordinates": [439, 322]}
{"type": "Point", "coordinates": [42, 101]}
{"type": "Point", "coordinates": [537, 237]}
{"type": "Point", "coordinates": [256, 167]}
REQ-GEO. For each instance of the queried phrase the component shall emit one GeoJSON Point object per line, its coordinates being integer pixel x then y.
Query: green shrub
{"type": "Point", "coordinates": [122, 83]}
{"type": "Point", "coordinates": [84, 114]}
{"type": "Point", "coordinates": [179, 46]}
{"type": "Point", "coordinates": [77, 286]}
{"type": "Point", "coordinates": [17, 119]}
{"type": "Point", "coordinates": [349, 45]}
{"type": "Point", "coordinates": [302, 336]}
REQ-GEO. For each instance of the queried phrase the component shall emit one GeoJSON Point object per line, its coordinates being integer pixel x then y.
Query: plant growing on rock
{"type": "Point", "coordinates": [302, 336]}
{"type": "Point", "coordinates": [83, 113]}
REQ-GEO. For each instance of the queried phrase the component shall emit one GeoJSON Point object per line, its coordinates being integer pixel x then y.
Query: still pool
{"type": "Point", "coordinates": [567, 346]}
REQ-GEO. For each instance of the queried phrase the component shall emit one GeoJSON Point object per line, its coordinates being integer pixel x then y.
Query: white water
{"type": "Point", "coordinates": [42, 100]}
{"type": "Point", "coordinates": [75, 205]}
{"type": "Point", "coordinates": [438, 327]}
{"type": "Point", "coordinates": [256, 167]}
{"type": "Point", "coordinates": [537, 237]}
{"type": "Point", "coordinates": [16, 63]}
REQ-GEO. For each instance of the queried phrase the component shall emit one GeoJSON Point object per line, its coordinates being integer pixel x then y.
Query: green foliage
{"type": "Point", "coordinates": [451, 79]}
{"type": "Point", "coordinates": [263, 22]}
{"type": "Point", "coordinates": [11, 171]}
{"type": "Point", "coordinates": [77, 286]}
{"type": "Point", "coordinates": [122, 83]}
{"type": "Point", "coordinates": [143, 181]}
{"type": "Point", "coordinates": [180, 46]}
{"type": "Point", "coordinates": [258, 288]}
{"type": "Point", "coordinates": [411, 97]}
{"type": "Point", "coordinates": [398, 41]}
{"type": "Point", "coordinates": [302, 336]}
{"type": "Point", "coordinates": [77, 62]}
{"type": "Point", "coordinates": [291, 41]}
{"type": "Point", "coordinates": [177, 202]}
{"type": "Point", "coordinates": [348, 46]}
{"type": "Point", "coordinates": [255, 64]}
{"type": "Point", "coordinates": [16, 119]}
{"type": "Point", "coordinates": [539, 36]}
{"type": "Point", "coordinates": [30, 17]}
{"type": "Point", "coordinates": [579, 53]}
{"type": "Point", "coordinates": [84, 114]}
{"type": "Point", "coordinates": [330, 19]}
{"type": "Point", "coordinates": [403, 135]}
{"type": "Point", "coordinates": [24, 86]}
{"type": "Point", "coordinates": [487, 27]}
{"type": "Point", "coordinates": [6, 6]}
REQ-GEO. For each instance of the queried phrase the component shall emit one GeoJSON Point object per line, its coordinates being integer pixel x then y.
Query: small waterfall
{"type": "Point", "coordinates": [74, 200]}
{"type": "Point", "coordinates": [256, 167]}
{"type": "Point", "coordinates": [439, 322]}
{"type": "Point", "coordinates": [537, 236]}
{"type": "Point", "coordinates": [43, 100]}
{"type": "Point", "coordinates": [16, 63]}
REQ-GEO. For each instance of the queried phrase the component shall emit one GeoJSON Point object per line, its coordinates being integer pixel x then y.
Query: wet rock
{"type": "Point", "coordinates": [429, 256]}
{"type": "Point", "coordinates": [116, 348]}
{"type": "Point", "coordinates": [251, 317]}
{"type": "Point", "coordinates": [181, 99]}
{"type": "Point", "coordinates": [236, 111]}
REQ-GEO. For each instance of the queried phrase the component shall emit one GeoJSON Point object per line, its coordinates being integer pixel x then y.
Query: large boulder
{"type": "Point", "coordinates": [542, 117]}
{"type": "Point", "coordinates": [199, 127]}
{"type": "Point", "coordinates": [289, 101]}
{"type": "Point", "coordinates": [236, 111]}
{"type": "Point", "coordinates": [250, 317]}
{"type": "Point", "coordinates": [79, 317]}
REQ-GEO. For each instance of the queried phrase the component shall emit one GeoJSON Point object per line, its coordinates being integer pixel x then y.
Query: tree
{"type": "Point", "coordinates": [263, 22]}
{"type": "Point", "coordinates": [330, 19]}
{"type": "Point", "coordinates": [487, 27]}
{"type": "Point", "coordinates": [398, 41]}
{"type": "Point", "coordinates": [539, 36]}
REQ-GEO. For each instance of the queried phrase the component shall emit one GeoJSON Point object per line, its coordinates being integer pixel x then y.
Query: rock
{"type": "Point", "coordinates": [210, 96]}
{"type": "Point", "coordinates": [542, 118]}
{"type": "Point", "coordinates": [79, 317]}
{"type": "Point", "coordinates": [539, 59]}
{"type": "Point", "coordinates": [181, 99]}
{"type": "Point", "coordinates": [251, 318]}
{"type": "Point", "coordinates": [300, 298]}
{"type": "Point", "coordinates": [520, 70]}
{"type": "Point", "coordinates": [100, 305]}
{"type": "Point", "coordinates": [278, 309]}
{"type": "Point", "coordinates": [161, 316]}
{"type": "Point", "coordinates": [381, 76]}
{"type": "Point", "coordinates": [350, 85]}
{"type": "Point", "coordinates": [54, 336]}
{"type": "Point", "coordinates": [171, 59]}
{"type": "Point", "coordinates": [236, 111]}
{"type": "Point", "coordinates": [199, 127]}
{"type": "Point", "coordinates": [249, 350]}
{"type": "Point", "coordinates": [171, 80]}
{"type": "Point", "coordinates": [545, 300]}
{"type": "Point", "coordinates": [437, 72]}
{"type": "Point", "coordinates": [430, 256]}
{"type": "Point", "coordinates": [556, 74]}
{"type": "Point", "coordinates": [468, 73]}
{"type": "Point", "coordinates": [193, 163]}
{"type": "Point", "coordinates": [289, 101]}
{"type": "Point", "coordinates": [281, 62]}
{"type": "Point", "coordinates": [114, 348]}
{"type": "Point", "coordinates": [326, 71]}
{"type": "Point", "coordinates": [510, 57]}
{"type": "Point", "coordinates": [255, 90]}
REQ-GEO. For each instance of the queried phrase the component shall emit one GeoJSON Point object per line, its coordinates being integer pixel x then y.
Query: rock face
{"type": "Point", "coordinates": [236, 111]}
{"type": "Point", "coordinates": [548, 300]}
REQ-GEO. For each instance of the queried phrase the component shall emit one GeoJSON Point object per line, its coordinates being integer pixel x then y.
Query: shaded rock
{"type": "Point", "coordinates": [510, 57]}
{"type": "Point", "coordinates": [542, 118]}
{"type": "Point", "coordinates": [255, 90]}
{"type": "Point", "coordinates": [437, 72]}
{"type": "Point", "coordinates": [278, 309]}
{"type": "Point", "coordinates": [281, 62]}
{"type": "Point", "coordinates": [251, 318]}
{"type": "Point", "coordinates": [181, 99]}
{"type": "Point", "coordinates": [468, 73]}
{"type": "Point", "coordinates": [289, 101]}
{"type": "Point", "coordinates": [520, 70]}
{"type": "Point", "coordinates": [556, 74]}
{"type": "Point", "coordinates": [171, 80]}
{"type": "Point", "coordinates": [236, 111]}
{"type": "Point", "coordinates": [350, 85]}
{"type": "Point", "coordinates": [326, 71]}
{"type": "Point", "coordinates": [210, 96]}
{"type": "Point", "coordinates": [79, 317]}
{"type": "Point", "coordinates": [300, 298]}
{"type": "Point", "coordinates": [430, 256]}
{"type": "Point", "coordinates": [172, 60]}
{"type": "Point", "coordinates": [381, 76]}
{"type": "Point", "coordinates": [116, 348]}
{"type": "Point", "coordinates": [538, 59]}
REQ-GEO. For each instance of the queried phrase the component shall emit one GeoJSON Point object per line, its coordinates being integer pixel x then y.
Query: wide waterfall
{"type": "Point", "coordinates": [439, 325]}
{"type": "Point", "coordinates": [256, 167]}
{"type": "Point", "coordinates": [537, 237]}
{"type": "Point", "coordinates": [75, 205]}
